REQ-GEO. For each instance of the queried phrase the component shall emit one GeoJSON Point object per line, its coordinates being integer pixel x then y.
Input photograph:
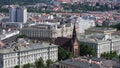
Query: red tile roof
{"type": "Point", "coordinates": [64, 1]}
{"type": "Point", "coordinates": [1, 44]}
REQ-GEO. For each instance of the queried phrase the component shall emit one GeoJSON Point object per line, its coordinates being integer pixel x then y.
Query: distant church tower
{"type": "Point", "coordinates": [69, 44]}
{"type": "Point", "coordinates": [75, 44]}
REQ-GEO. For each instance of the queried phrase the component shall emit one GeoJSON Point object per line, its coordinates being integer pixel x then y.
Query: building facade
{"type": "Point", "coordinates": [102, 40]}
{"type": "Point", "coordinates": [21, 14]}
{"type": "Point", "coordinates": [85, 23]}
{"type": "Point", "coordinates": [18, 14]}
{"type": "Point", "coordinates": [23, 54]}
{"type": "Point", "coordinates": [8, 36]}
{"type": "Point", "coordinates": [12, 14]}
{"type": "Point", "coordinates": [47, 31]}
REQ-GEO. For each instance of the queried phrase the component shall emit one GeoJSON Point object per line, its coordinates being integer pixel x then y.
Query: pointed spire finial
{"type": "Point", "coordinates": [74, 36]}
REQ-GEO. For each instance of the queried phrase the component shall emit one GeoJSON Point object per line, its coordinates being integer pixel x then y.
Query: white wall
{"type": "Point", "coordinates": [85, 24]}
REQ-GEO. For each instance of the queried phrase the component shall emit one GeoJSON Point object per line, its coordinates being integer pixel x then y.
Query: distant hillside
{"type": "Point", "coordinates": [20, 2]}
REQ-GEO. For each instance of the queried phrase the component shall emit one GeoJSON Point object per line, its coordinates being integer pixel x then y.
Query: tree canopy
{"type": "Point", "coordinates": [17, 66]}
{"type": "Point", "coordinates": [22, 36]}
{"type": "Point", "coordinates": [39, 63]}
{"type": "Point", "coordinates": [116, 26]}
{"type": "Point", "coordinates": [85, 7]}
{"type": "Point", "coordinates": [63, 54]}
{"type": "Point", "coordinates": [48, 63]}
{"type": "Point", "coordinates": [28, 65]}
{"type": "Point", "coordinates": [85, 49]}
{"type": "Point", "coordinates": [109, 55]}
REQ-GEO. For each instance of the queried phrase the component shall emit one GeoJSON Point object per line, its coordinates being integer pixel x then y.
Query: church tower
{"type": "Point", "coordinates": [69, 44]}
{"type": "Point", "coordinates": [74, 41]}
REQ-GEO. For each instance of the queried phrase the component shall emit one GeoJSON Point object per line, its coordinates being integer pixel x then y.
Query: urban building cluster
{"type": "Point", "coordinates": [25, 52]}
{"type": "Point", "coordinates": [88, 1]}
{"type": "Point", "coordinates": [42, 35]}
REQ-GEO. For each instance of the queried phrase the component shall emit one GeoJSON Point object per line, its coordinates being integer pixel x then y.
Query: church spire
{"type": "Point", "coordinates": [74, 35]}
{"type": "Point", "coordinates": [75, 44]}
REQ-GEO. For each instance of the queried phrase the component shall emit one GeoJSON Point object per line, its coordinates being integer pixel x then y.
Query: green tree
{"type": "Point", "coordinates": [85, 7]}
{"type": "Point", "coordinates": [63, 54]}
{"type": "Point", "coordinates": [69, 55]}
{"type": "Point", "coordinates": [85, 49]}
{"type": "Point", "coordinates": [109, 55]}
{"type": "Point", "coordinates": [17, 66]}
{"type": "Point", "coordinates": [117, 26]}
{"type": "Point", "coordinates": [21, 36]}
{"type": "Point", "coordinates": [27, 65]}
{"type": "Point", "coordinates": [39, 63]}
{"type": "Point", "coordinates": [5, 10]}
{"type": "Point", "coordinates": [119, 57]}
{"type": "Point", "coordinates": [48, 63]}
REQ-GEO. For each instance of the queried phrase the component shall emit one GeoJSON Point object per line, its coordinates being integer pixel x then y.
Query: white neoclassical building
{"type": "Point", "coordinates": [102, 40]}
{"type": "Point", "coordinates": [47, 30]}
{"type": "Point", "coordinates": [22, 54]}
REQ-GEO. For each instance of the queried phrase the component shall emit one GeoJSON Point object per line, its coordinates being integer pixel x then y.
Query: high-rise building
{"type": "Point", "coordinates": [12, 14]}
{"type": "Point", "coordinates": [18, 14]}
{"type": "Point", "coordinates": [21, 14]}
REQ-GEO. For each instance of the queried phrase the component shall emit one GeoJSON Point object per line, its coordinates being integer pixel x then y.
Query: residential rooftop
{"type": "Point", "coordinates": [101, 29]}
{"type": "Point", "coordinates": [24, 47]}
{"type": "Point", "coordinates": [98, 38]}
{"type": "Point", "coordinates": [86, 62]}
